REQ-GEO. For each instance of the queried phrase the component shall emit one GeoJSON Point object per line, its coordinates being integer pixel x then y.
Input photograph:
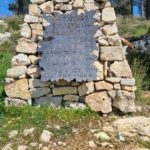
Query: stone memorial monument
{"type": "Point", "coordinates": [70, 55]}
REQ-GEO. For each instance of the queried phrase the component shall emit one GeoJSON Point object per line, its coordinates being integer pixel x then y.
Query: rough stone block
{"type": "Point", "coordinates": [102, 85]}
{"type": "Point", "coordinates": [71, 98]}
{"type": "Point", "coordinates": [64, 90]}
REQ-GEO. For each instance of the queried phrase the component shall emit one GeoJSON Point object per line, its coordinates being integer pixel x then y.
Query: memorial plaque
{"type": "Point", "coordinates": [67, 47]}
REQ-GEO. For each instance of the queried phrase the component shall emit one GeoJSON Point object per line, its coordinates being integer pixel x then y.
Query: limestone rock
{"type": "Point", "coordinates": [49, 101]}
{"type": "Point", "coordinates": [13, 134]}
{"type": "Point", "coordinates": [34, 59]}
{"type": "Point", "coordinates": [18, 89]}
{"type": "Point", "coordinates": [108, 14]}
{"type": "Point", "coordinates": [110, 29]}
{"type": "Point", "coordinates": [111, 53]}
{"type": "Point", "coordinates": [66, 7]}
{"type": "Point", "coordinates": [103, 136]}
{"type": "Point", "coordinates": [20, 59]}
{"type": "Point", "coordinates": [78, 4]}
{"type": "Point", "coordinates": [64, 90]}
{"type": "Point", "coordinates": [86, 88]}
{"type": "Point", "coordinates": [26, 46]}
{"type": "Point", "coordinates": [4, 37]}
{"type": "Point", "coordinates": [71, 98]}
{"type": "Point", "coordinates": [102, 41]}
{"type": "Point", "coordinates": [37, 83]}
{"type": "Point", "coordinates": [97, 17]}
{"type": "Point", "coordinates": [120, 69]}
{"type": "Point", "coordinates": [112, 94]}
{"type": "Point", "coordinates": [91, 5]}
{"type": "Point", "coordinates": [100, 70]}
{"type": "Point", "coordinates": [45, 136]}
{"type": "Point", "coordinates": [26, 31]}
{"type": "Point", "coordinates": [113, 79]}
{"type": "Point", "coordinates": [61, 1]}
{"type": "Point", "coordinates": [74, 105]}
{"type": "Point", "coordinates": [15, 102]}
{"type": "Point", "coordinates": [102, 85]}
{"type": "Point", "coordinates": [129, 82]}
{"type": "Point", "coordinates": [114, 40]}
{"type": "Point", "coordinates": [139, 125]}
{"type": "Point", "coordinates": [47, 7]}
{"type": "Point", "coordinates": [37, 32]}
{"type": "Point", "coordinates": [15, 72]}
{"type": "Point", "coordinates": [124, 101]}
{"type": "Point", "coordinates": [99, 102]}
{"type": "Point", "coordinates": [23, 147]}
{"type": "Point", "coordinates": [38, 92]}
{"type": "Point", "coordinates": [34, 9]}
{"type": "Point", "coordinates": [117, 86]}
{"type": "Point", "coordinates": [7, 146]}
{"type": "Point", "coordinates": [37, 1]}
{"type": "Point", "coordinates": [31, 19]}
{"type": "Point", "coordinates": [129, 88]}
{"type": "Point", "coordinates": [33, 71]}
{"type": "Point", "coordinates": [27, 132]}
{"type": "Point", "coordinates": [61, 83]}
{"type": "Point", "coordinates": [9, 80]}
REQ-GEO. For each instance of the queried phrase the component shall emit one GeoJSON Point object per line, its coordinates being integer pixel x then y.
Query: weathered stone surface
{"type": "Point", "coordinates": [49, 101]}
{"type": "Point", "coordinates": [100, 70]}
{"type": "Point", "coordinates": [38, 1]}
{"type": "Point", "coordinates": [78, 4]}
{"type": "Point", "coordinates": [98, 33]}
{"type": "Point", "coordinates": [20, 59]}
{"type": "Point", "coordinates": [112, 94]}
{"type": "Point", "coordinates": [25, 31]}
{"type": "Point", "coordinates": [34, 59]}
{"type": "Point", "coordinates": [66, 7]}
{"type": "Point", "coordinates": [102, 85]}
{"type": "Point", "coordinates": [110, 29]}
{"type": "Point", "coordinates": [36, 32]}
{"type": "Point", "coordinates": [91, 5]}
{"type": "Point", "coordinates": [34, 9]}
{"type": "Point", "coordinates": [86, 88]}
{"type": "Point", "coordinates": [120, 69]}
{"type": "Point", "coordinates": [64, 90]}
{"type": "Point", "coordinates": [34, 71]}
{"type": "Point", "coordinates": [71, 98]}
{"type": "Point", "coordinates": [18, 89]}
{"type": "Point", "coordinates": [114, 40]}
{"type": "Point", "coordinates": [113, 79]}
{"type": "Point", "coordinates": [111, 53]}
{"type": "Point", "coordinates": [129, 82]}
{"type": "Point", "coordinates": [15, 72]}
{"type": "Point", "coordinates": [9, 80]}
{"type": "Point", "coordinates": [15, 102]}
{"type": "Point", "coordinates": [61, 1]}
{"type": "Point", "coordinates": [74, 105]}
{"type": "Point", "coordinates": [38, 92]}
{"type": "Point", "coordinates": [99, 102]}
{"type": "Point", "coordinates": [4, 37]}
{"type": "Point", "coordinates": [108, 14]}
{"type": "Point", "coordinates": [26, 46]}
{"type": "Point", "coordinates": [97, 17]}
{"type": "Point", "coordinates": [138, 125]}
{"type": "Point", "coordinates": [31, 19]}
{"type": "Point", "coordinates": [102, 41]}
{"type": "Point", "coordinates": [124, 101]}
{"type": "Point", "coordinates": [45, 136]}
{"type": "Point", "coordinates": [37, 83]}
{"type": "Point", "coordinates": [47, 7]}
{"type": "Point", "coordinates": [129, 88]}
{"type": "Point", "coordinates": [117, 86]}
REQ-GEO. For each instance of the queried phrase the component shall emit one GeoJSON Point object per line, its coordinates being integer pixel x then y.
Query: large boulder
{"type": "Point", "coordinates": [99, 102]}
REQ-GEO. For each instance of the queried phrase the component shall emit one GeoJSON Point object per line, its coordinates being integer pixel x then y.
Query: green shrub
{"type": "Point", "coordinates": [132, 27]}
{"type": "Point", "coordinates": [139, 70]}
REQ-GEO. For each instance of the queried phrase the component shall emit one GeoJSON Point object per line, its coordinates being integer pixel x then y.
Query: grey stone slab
{"type": "Point", "coordinates": [68, 46]}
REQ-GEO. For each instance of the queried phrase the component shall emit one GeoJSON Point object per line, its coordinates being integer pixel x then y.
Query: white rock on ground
{"type": "Point", "coordinates": [46, 136]}
{"type": "Point", "coordinates": [4, 37]}
{"type": "Point", "coordinates": [27, 132]}
{"type": "Point", "coordinates": [12, 134]}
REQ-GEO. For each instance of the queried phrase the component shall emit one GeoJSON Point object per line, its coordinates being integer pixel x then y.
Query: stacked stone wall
{"type": "Point", "coordinates": [114, 87]}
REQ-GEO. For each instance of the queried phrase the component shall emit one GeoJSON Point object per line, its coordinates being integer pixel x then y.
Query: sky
{"type": "Point", "coordinates": [5, 12]}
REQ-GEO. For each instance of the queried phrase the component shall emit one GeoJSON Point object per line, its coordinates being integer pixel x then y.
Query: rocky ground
{"type": "Point", "coordinates": [75, 132]}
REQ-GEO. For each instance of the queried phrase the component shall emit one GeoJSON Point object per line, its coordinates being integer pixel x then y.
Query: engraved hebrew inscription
{"type": "Point", "coordinates": [67, 47]}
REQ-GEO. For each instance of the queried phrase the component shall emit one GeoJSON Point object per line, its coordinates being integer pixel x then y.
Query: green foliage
{"type": "Point", "coordinates": [139, 71]}
{"type": "Point", "coordinates": [14, 23]}
{"type": "Point", "coordinates": [132, 27]}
